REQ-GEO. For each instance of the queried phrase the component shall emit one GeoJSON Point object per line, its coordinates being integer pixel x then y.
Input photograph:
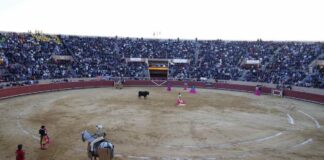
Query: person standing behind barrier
{"type": "Point", "coordinates": [169, 87]}
{"type": "Point", "coordinates": [185, 86]}
{"type": "Point", "coordinates": [20, 154]}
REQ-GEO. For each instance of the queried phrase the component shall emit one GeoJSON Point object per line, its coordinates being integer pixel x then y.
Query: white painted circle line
{"type": "Point", "coordinates": [131, 157]}
{"type": "Point", "coordinates": [23, 130]}
{"type": "Point", "coordinates": [303, 143]}
{"type": "Point", "coordinates": [226, 145]}
{"type": "Point", "coordinates": [135, 157]}
{"type": "Point", "coordinates": [315, 121]}
{"type": "Point", "coordinates": [118, 155]}
{"type": "Point", "coordinates": [270, 137]}
{"type": "Point", "coordinates": [290, 119]}
{"type": "Point", "coordinates": [191, 146]}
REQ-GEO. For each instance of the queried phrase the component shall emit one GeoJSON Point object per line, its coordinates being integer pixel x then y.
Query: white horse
{"type": "Point", "coordinates": [103, 145]}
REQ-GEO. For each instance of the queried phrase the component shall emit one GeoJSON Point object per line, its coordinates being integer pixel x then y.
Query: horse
{"type": "Point", "coordinates": [103, 149]}
{"type": "Point", "coordinates": [143, 93]}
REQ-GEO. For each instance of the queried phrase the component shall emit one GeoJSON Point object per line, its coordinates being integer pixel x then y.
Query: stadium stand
{"type": "Point", "coordinates": [30, 57]}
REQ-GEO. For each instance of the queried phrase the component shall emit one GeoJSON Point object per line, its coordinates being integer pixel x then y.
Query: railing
{"type": "Point", "coordinates": [47, 87]}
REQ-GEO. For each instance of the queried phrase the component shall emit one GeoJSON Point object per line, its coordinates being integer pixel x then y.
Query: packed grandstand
{"type": "Point", "coordinates": [28, 57]}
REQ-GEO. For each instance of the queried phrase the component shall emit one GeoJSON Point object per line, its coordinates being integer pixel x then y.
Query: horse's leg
{"type": "Point", "coordinates": [89, 153]}
{"type": "Point", "coordinates": [89, 156]}
{"type": "Point", "coordinates": [111, 153]}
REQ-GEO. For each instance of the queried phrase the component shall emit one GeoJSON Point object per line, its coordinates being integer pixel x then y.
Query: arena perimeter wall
{"type": "Point", "coordinates": [38, 88]}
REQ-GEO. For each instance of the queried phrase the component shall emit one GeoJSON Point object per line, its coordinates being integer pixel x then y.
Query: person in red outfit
{"type": "Point", "coordinates": [44, 139]}
{"type": "Point", "coordinates": [20, 154]}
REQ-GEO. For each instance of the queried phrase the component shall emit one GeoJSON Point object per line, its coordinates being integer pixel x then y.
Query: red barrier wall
{"type": "Point", "coordinates": [238, 87]}
{"type": "Point", "coordinates": [304, 96]}
{"type": "Point", "coordinates": [16, 91]}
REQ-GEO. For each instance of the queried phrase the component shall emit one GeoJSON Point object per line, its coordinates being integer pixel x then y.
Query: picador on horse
{"type": "Point", "coordinates": [119, 84]}
{"type": "Point", "coordinates": [98, 146]}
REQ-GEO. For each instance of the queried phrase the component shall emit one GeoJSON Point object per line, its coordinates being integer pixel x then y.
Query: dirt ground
{"type": "Point", "coordinates": [214, 124]}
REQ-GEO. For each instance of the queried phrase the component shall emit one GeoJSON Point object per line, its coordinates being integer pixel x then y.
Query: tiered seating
{"type": "Point", "coordinates": [27, 56]}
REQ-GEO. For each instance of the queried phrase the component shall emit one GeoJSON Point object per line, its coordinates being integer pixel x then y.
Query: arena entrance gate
{"type": "Point", "coordinates": [158, 69]}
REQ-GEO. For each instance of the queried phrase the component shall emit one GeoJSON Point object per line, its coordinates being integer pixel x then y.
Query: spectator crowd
{"type": "Point", "coordinates": [29, 56]}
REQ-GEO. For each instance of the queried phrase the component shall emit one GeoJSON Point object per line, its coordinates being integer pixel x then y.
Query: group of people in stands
{"type": "Point", "coordinates": [23, 57]}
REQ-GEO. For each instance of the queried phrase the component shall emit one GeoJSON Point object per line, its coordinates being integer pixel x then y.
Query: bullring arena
{"type": "Point", "coordinates": [215, 124]}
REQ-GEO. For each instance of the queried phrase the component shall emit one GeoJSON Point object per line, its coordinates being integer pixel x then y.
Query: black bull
{"type": "Point", "coordinates": [143, 93]}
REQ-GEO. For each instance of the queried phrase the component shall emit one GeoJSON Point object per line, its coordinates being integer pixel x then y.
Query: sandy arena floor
{"type": "Point", "coordinates": [214, 125]}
